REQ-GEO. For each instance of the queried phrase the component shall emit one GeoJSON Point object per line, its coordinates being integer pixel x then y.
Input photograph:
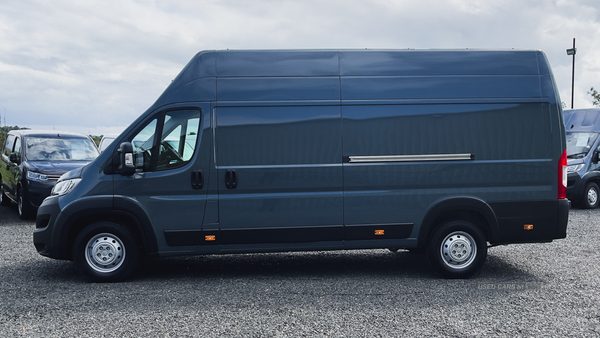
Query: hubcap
{"type": "Point", "coordinates": [592, 196]}
{"type": "Point", "coordinates": [458, 250]}
{"type": "Point", "coordinates": [105, 253]}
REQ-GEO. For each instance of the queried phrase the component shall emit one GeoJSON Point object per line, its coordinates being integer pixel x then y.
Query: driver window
{"type": "Point", "coordinates": [178, 141]}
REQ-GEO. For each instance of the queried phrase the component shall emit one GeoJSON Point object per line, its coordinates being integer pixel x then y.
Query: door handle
{"type": "Point", "coordinates": [197, 179]}
{"type": "Point", "coordinates": [231, 179]}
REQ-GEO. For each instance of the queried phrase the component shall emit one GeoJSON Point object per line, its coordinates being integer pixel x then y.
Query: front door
{"type": "Point", "coordinates": [8, 169]}
{"type": "Point", "coordinates": [171, 162]}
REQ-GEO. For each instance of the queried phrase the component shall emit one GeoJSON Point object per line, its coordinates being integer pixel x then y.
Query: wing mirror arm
{"type": "Point", "coordinates": [127, 164]}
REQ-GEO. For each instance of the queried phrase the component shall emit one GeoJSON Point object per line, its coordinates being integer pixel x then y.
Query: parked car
{"type": "Point", "coordinates": [263, 151]}
{"type": "Point", "coordinates": [33, 160]}
{"type": "Point", "coordinates": [583, 149]}
{"type": "Point", "coordinates": [106, 141]}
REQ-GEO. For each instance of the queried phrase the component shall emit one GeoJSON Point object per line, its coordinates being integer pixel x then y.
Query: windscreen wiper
{"type": "Point", "coordinates": [577, 154]}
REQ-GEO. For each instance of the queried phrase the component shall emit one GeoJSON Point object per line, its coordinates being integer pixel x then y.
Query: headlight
{"type": "Point", "coordinates": [64, 187]}
{"type": "Point", "coordinates": [575, 167]}
{"type": "Point", "coordinates": [32, 176]}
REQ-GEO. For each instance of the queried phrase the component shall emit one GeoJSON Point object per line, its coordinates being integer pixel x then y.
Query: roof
{"type": "Point", "coordinates": [48, 133]}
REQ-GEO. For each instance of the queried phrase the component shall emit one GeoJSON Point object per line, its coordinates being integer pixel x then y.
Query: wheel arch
{"type": "Point", "coordinates": [590, 176]}
{"type": "Point", "coordinates": [86, 211]}
{"type": "Point", "coordinates": [469, 209]}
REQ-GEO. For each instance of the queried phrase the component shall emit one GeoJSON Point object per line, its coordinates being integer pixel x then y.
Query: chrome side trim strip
{"type": "Point", "coordinates": [411, 158]}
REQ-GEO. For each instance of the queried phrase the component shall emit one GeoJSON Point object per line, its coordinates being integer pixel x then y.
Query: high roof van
{"type": "Point", "coordinates": [446, 152]}
{"type": "Point", "coordinates": [583, 149]}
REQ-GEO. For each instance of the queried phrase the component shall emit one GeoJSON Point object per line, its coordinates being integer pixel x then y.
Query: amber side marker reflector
{"type": "Point", "coordinates": [209, 238]}
{"type": "Point", "coordinates": [528, 227]}
{"type": "Point", "coordinates": [379, 232]}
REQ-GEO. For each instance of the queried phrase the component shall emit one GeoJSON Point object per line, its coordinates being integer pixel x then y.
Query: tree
{"type": "Point", "coordinates": [4, 130]}
{"type": "Point", "coordinates": [595, 95]}
{"type": "Point", "coordinates": [96, 139]}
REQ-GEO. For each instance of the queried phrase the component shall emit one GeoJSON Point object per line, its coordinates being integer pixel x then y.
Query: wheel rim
{"type": "Point", "coordinates": [458, 250]}
{"type": "Point", "coordinates": [105, 253]}
{"type": "Point", "coordinates": [592, 196]}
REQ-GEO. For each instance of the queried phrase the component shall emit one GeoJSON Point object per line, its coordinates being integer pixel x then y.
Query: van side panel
{"type": "Point", "coordinates": [437, 63]}
{"type": "Point", "coordinates": [511, 161]}
{"type": "Point", "coordinates": [493, 120]}
{"type": "Point", "coordinates": [287, 166]}
{"type": "Point", "coordinates": [282, 63]}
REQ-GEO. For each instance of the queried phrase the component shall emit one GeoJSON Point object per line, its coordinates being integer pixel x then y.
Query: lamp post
{"type": "Point", "coordinates": [572, 51]}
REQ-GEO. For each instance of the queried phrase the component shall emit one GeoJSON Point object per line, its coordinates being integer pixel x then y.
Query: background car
{"type": "Point", "coordinates": [33, 160]}
{"type": "Point", "coordinates": [106, 141]}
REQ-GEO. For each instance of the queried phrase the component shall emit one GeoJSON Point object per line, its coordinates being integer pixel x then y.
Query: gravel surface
{"type": "Point", "coordinates": [530, 290]}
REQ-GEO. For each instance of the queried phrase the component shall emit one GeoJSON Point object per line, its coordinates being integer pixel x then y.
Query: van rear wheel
{"type": "Point", "coordinates": [591, 196]}
{"type": "Point", "coordinates": [106, 252]}
{"type": "Point", "coordinates": [457, 249]}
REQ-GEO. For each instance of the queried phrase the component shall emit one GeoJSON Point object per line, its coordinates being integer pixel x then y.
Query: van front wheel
{"type": "Point", "coordinates": [457, 249]}
{"type": "Point", "coordinates": [590, 196]}
{"type": "Point", "coordinates": [106, 252]}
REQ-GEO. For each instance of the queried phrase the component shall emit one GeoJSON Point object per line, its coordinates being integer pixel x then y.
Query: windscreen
{"type": "Point", "coordinates": [579, 144]}
{"type": "Point", "coordinates": [59, 149]}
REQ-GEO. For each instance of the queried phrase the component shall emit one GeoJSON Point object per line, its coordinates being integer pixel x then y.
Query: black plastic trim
{"type": "Point", "coordinates": [283, 235]}
{"type": "Point", "coordinates": [459, 205]}
{"type": "Point", "coordinates": [549, 220]}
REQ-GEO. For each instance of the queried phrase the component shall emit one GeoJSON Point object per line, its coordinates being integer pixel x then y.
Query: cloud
{"type": "Point", "coordinates": [99, 65]}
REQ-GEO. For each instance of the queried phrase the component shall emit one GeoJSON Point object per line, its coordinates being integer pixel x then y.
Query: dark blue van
{"type": "Point", "coordinates": [263, 151]}
{"type": "Point", "coordinates": [583, 149]}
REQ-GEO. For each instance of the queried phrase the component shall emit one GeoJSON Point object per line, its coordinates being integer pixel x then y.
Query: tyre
{"type": "Point", "coordinates": [4, 200]}
{"type": "Point", "coordinates": [457, 249]}
{"type": "Point", "coordinates": [106, 252]}
{"type": "Point", "coordinates": [23, 206]}
{"type": "Point", "coordinates": [591, 196]}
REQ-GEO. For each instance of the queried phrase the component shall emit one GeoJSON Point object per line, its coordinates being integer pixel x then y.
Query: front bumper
{"type": "Point", "coordinates": [38, 191]}
{"type": "Point", "coordinates": [45, 229]}
{"type": "Point", "coordinates": [575, 187]}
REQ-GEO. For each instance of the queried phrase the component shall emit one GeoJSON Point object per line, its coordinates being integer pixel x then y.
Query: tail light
{"type": "Point", "coordinates": [562, 176]}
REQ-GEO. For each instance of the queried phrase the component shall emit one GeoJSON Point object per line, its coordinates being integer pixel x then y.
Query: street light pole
{"type": "Point", "coordinates": [572, 51]}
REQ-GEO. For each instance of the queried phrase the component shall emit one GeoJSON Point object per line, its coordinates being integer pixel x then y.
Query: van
{"type": "Point", "coordinates": [583, 149]}
{"type": "Point", "coordinates": [267, 151]}
{"type": "Point", "coordinates": [32, 161]}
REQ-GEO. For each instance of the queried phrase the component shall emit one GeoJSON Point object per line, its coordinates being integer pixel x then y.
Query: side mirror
{"type": "Point", "coordinates": [14, 158]}
{"type": "Point", "coordinates": [126, 165]}
{"type": "Point", "coordinates": [595, 157]}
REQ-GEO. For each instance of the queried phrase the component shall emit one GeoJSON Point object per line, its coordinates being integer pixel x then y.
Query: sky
{"type": "Point", "coordinates": [95, 66]}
